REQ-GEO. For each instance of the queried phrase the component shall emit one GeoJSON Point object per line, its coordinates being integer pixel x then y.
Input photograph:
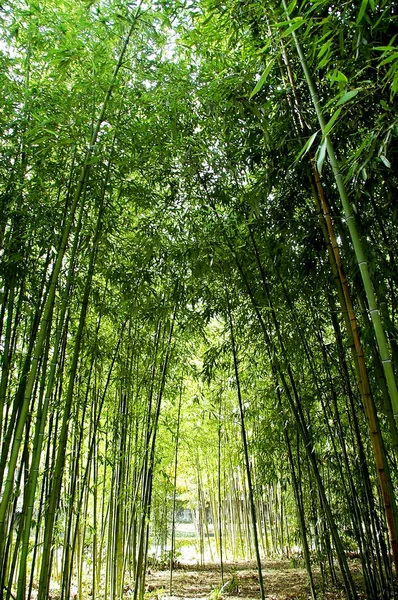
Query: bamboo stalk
{"type": "Point", "coordinates": [246, 453]}
{"type": "Point", "coordinates": [352, 227]}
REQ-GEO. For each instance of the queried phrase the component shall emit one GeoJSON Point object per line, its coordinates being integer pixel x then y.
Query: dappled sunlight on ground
{"type": "Point", "coordinates": [281, 582]}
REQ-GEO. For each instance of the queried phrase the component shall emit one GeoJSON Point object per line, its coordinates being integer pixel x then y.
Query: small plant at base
{"type": "Point", "coordinates": [215, 594]}
{"type": "Point", "coordinates": [231, 586]}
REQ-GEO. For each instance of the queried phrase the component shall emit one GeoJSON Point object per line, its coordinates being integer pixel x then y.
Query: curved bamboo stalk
{"type": "Point", "coordinates": [382, 465]}
{"type": "Point", "coordinates": [380, 334]}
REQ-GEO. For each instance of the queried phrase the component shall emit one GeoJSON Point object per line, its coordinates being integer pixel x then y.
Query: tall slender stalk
{"type": "Point", "coordinates": [175, 493]}
{"type": "Point", "coordinates": [45, 571]}
{"type": "Point", "coordinates": [220, 533]}
{"type": "Point", "coordinates": [47, 310]}
{"type": "Point", "coordinates": [246, 453]}
{"type": "Point", "coordinates": [380, 334]}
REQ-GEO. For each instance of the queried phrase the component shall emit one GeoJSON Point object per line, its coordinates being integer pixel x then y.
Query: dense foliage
{"type": "Point", "coordinates": [198, 234]}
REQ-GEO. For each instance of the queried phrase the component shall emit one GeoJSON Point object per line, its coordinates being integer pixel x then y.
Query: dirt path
{"type": "Point", "coordinates": [281, 582]}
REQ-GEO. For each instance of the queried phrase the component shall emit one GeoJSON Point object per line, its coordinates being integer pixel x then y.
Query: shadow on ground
{"type": "Point", "coordinates": [281, 582]}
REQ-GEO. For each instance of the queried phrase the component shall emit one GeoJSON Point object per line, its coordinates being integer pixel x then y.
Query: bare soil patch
{"type": "Point", "coordinates": [281, 582]}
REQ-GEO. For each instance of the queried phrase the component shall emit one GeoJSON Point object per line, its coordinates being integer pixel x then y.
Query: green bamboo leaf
{"type": "Point", "coordinates": [393, 56]}
{"type": "Point", "coordinates": [385, 161]}
{"type": "Point", "coordinates": [390, 45]}
{"type": "Point", "coordinates": [362, 10]}
{"type": "Point", "coordinates": [394, 86]}
{"type": "Point", "coordinates": [262, 79]}
{"type": "Point", "coordinates": [324, 61]}
{"type": "Point", "coordinates": [324, 48]}
{"type": "Point", "coordinates": [383, 48]}
{"type": "Point", "coordinates": [306, 147]}
{"type": "Point", "coordinates": [321, 156]}
{"type": "Point", "coordinates": [337, 76]}
{"type": "Point", "coordinates": [296, 23]}
{"type": "Point", "coordinates": [347, 97]}
{"type": "Point", "coordinates": [331, 122]}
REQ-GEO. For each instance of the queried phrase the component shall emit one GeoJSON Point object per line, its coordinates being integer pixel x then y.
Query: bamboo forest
{"type": "Point", "coordinates": [198, 299]}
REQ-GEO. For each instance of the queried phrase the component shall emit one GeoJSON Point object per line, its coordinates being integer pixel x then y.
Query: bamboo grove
{"type": "Point", "coordinates": [198, 233]}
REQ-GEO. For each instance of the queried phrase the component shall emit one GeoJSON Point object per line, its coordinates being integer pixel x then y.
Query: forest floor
{"type": "Point", "coordinates": [282, 581]}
